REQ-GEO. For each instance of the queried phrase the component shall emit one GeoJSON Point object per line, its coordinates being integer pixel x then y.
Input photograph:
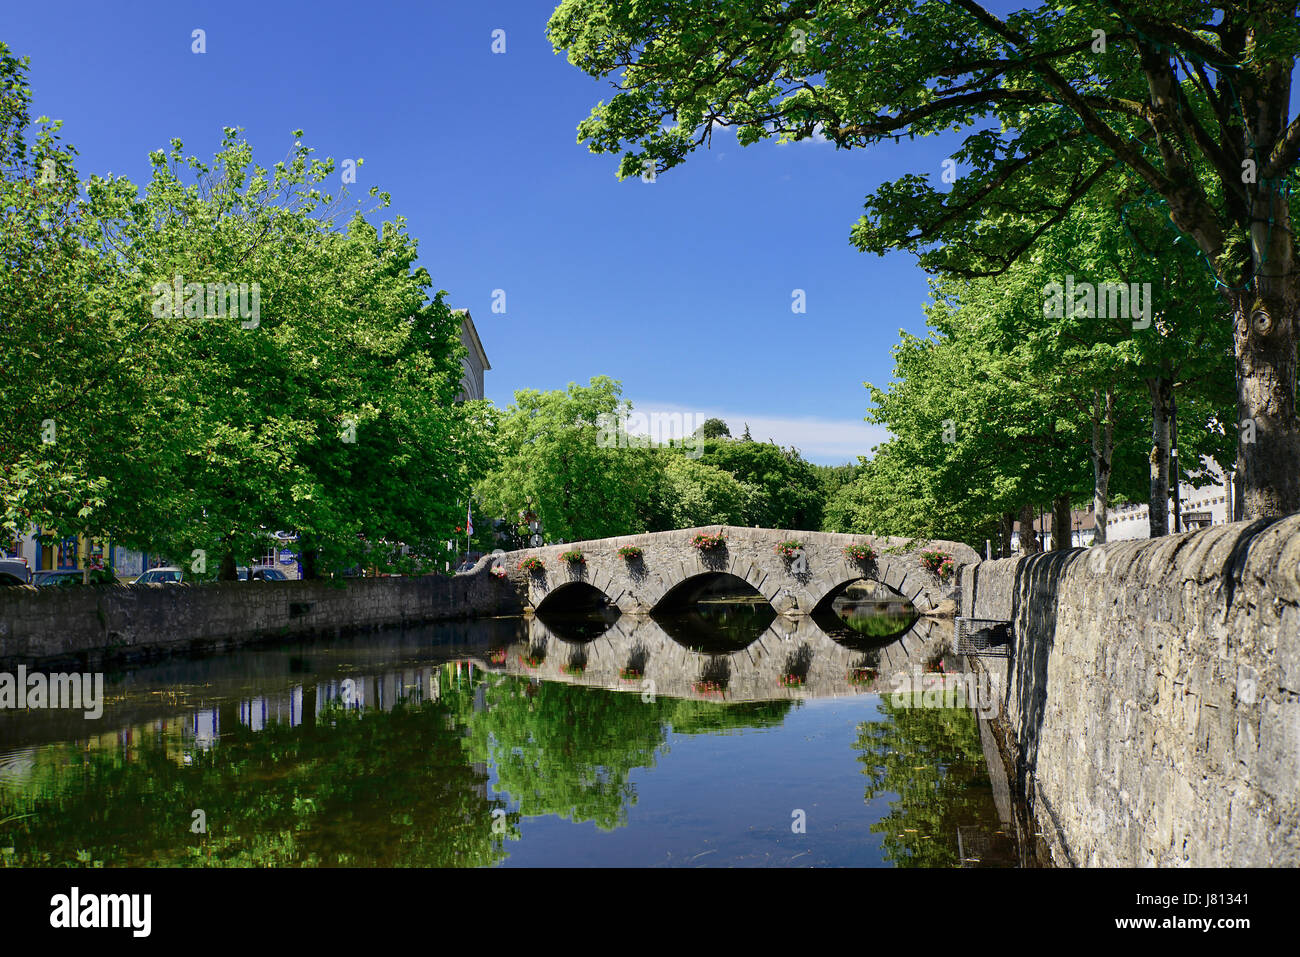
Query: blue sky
{"type": "Point", "coordinates": [679, 288]}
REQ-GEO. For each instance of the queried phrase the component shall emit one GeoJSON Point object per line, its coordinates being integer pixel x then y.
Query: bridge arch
{"type": "Point", "coordinates": [574, 595]}
{"type": "Point", "coordinates": [687, 591]}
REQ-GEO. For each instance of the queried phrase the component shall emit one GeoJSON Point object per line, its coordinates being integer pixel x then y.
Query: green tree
{"type": "Point", "coordinates": [790, 495]}
{"type": "Point", "coordinates": [295, 375]}
{"type": "Point", "coordinates": [64, 361]}
{"type": "Point", "coordinates": [693, 493]}
{"type": "Point", "coordinates": [584, 478]}
{"type": "Point", "coordinates": [713, 429]}
{"type": "Point", "coordinates": [1189, 101]}
{"type": "Point", "coordinates": [1043, 409]}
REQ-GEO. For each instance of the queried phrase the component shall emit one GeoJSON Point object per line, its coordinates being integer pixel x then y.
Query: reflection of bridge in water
{"type": "Point", "coordinates": [793, 658]}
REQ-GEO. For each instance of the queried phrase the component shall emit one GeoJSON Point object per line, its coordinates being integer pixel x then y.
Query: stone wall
{"type": "Point", "coordinates": [100, 624]}
{"type": "Point", "coordinates": [1152, 705]}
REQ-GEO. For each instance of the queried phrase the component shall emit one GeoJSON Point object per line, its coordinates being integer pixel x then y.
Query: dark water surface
{"type": "Point", "coordinates": [717, 738]}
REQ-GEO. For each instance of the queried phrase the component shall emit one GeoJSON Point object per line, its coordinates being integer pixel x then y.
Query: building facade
{"type": "Point", "coordinates": [474, 364]}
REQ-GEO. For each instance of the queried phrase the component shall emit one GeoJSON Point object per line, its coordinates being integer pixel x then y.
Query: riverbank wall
{"type": "Point", "coordinates": [1151, 705]}
{"type": "Point", "coordinates": [95, 626]}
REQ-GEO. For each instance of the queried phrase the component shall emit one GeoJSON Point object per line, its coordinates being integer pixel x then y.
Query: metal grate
{"type": "Point", "coordinates": [984, 636]}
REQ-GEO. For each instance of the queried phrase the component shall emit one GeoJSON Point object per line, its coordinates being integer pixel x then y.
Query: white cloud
{"type": "Point", "coordinates": [823, 441]}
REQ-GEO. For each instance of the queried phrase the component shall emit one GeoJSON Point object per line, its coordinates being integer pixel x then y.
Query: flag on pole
{"type": "Point", "coordinates": [469, 519]}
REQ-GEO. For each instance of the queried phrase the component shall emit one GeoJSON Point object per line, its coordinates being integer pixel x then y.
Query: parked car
{"type": "Point", "coordinates": [169, 575]}
{"type": "Point", "coordinates": [63, 577]}
{"type": "Point", "coordinates": [7, 579]}
{"type": "Point", "coordinates": [17, 567]}
{"type": "Point", "coordinates": [57, 578]}
{"type": "Point", "coordinates": [261, 574]}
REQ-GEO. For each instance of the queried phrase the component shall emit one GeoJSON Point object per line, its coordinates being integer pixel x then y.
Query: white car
{"type": "Point", "coordinates": [170, 575]}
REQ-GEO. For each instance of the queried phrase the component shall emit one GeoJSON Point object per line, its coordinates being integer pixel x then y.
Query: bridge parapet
{"type": "Point", "coordinates": [794, 587]}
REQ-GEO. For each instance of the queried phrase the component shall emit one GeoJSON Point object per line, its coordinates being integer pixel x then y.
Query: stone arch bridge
{"type": "Point", "coordinates": [793, 587]}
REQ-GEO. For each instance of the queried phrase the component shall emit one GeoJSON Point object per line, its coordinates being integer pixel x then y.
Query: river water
{"type": "Point", "coordinates": [717, 736]}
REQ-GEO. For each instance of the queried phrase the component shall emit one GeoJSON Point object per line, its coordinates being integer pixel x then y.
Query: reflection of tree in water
{"type": "Point", "coordinates": [358, 788]}
{"type": "Point", "coordinates": [689, 716]}
{"type": "Point", "coordinates": [931, 758]}
{"type": "Point", "coordinates": [570, 750]}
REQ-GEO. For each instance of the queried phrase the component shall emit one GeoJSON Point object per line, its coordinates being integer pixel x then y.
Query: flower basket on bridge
{"type": "Point", "coordinates": [574, 557]}
{"type": "Point", "coordinates": [862, 676]}
{"type": "Point", "coordinates": [788, 549]}
{"type": "Point", "coordinates": [498, 571]}
{"type": "Point", "coordinates": [859, 553]}
{"type": "Point", "coordinates": [709, 543]}
{"type": "Point", "coordinates": [532, 565]}
{"type": "Point", "coordinates": [630, 553]}
{"type": "Point", "coordinates": [940, 563]}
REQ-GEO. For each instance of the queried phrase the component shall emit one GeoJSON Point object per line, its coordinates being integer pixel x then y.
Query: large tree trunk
{"type": "Point", "coordinates": [229, 571]}
{"type": "Point", "coordinates": [1268, 468]}
{"type": "Point", "coordinates": [1005, 527]}
{"type": "Point", "coordinates": [1103, 443]}
{"type": "Point", "coordinates": [1161, 390]}
{"type": "Point", "coordinates": [1029, 544]}
{"type": "Point", "coordinates": [1061, 537]}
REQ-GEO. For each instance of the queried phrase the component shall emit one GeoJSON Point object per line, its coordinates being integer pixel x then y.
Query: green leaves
{"type": "Point", "coordinates": [215, 357]}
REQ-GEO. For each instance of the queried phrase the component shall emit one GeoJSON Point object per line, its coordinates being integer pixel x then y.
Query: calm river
{"type": "Point", "coordinates": [720, 736]}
